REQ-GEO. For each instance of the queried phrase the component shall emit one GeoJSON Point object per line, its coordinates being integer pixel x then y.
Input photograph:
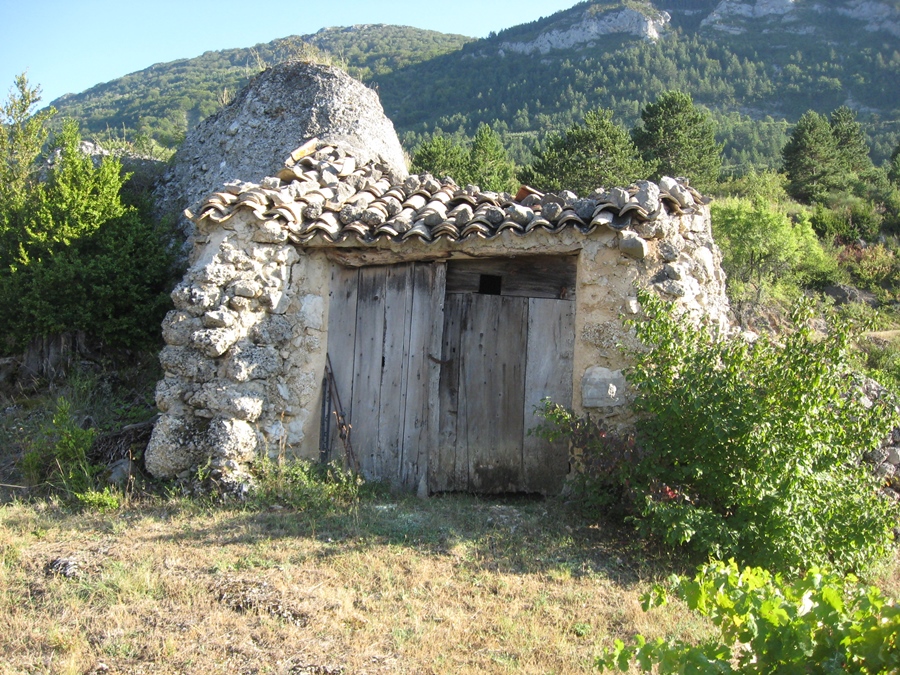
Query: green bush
{"type": "Point", "coordinates": [848, 218]}
{"type": "Point", "coordinates": [745, 450]}
{"type": "Point", "coordinates": [303, 485]}
{"type": "Point", "coordinates": [604, 461]}
{"type": "Point", "coordinates": [73, 255]}
{"type": "Point", "coordinates": [761, 444]}
{"type": "Point", "coordinates": [57, 456]}
{"type": "Point", "coordinates": [821, 623]}
{"type": "Point", "coordinates": [766, 254]}
{"type": "Point", "coordinates": [882, 362]}
{"type": "Point", "coordinates": [875, 268]}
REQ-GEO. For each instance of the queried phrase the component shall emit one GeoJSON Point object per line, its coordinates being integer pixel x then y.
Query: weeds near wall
{"type": "Point", "coordinates": [305, 486]}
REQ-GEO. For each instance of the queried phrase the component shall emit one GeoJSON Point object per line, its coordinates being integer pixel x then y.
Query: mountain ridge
{"type": "Point", "coordinates": [756, 65]}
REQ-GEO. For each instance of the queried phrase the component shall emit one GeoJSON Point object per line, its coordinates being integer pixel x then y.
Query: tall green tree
{"type": "Point", "coordinates": [23, 133]}
{"type": "Point", "coordinates": [853, 150]}
{"type": "Point", "coordinates": [440, 156]}
{"type": "Point", "coordinates": [73, 256]}
{"type": "Point", "coordinates": [22, 136]}
{"type": "Point", "coordinates": [812, 160]}
{"type": "Point", "coordinates": [484, 163]}
{"type": "Point", "coordinates": [489, 166]}
{"type": "Point", "coordinates": [596, 153]}
{"type": "Point", "coordinates": [894, 166]}
{"type": "Point", "coordinates": [679, 139]}
{"type": "Point", "coordinates": [764, 252]}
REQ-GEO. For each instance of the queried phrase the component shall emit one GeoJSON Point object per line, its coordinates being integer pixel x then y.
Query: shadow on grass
{"type": "Point", "coordinates": [517, 535]}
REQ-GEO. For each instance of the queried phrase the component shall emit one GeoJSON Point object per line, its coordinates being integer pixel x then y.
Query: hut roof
{"type": "Point", "coordinates": [323, 195]}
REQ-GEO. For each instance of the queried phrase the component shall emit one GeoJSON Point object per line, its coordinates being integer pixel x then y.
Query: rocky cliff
{"type": "Point", "coordinates": [739, 16]}
{"type": "Point", "coordinates": [645, 23]}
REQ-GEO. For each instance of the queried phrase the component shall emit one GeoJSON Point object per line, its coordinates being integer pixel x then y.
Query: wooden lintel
{"type": "Point", "coordinates": [364, 257]}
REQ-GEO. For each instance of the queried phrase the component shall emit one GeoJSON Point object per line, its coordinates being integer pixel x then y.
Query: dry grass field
{"type": "Point", "coordinates": [453, 584]}
{"type": "Point", "coordinates": [314, 578]}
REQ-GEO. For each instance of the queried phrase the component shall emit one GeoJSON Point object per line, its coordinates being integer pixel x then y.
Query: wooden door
{"type": "Point", "coordinates": [508, 342]}
{"type": "Point", "coordinates": [384, 337]}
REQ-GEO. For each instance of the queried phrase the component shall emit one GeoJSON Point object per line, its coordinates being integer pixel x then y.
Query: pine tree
{"type": "Point", "coordinates": [851, 141]}
{"type": "Point", "coordinates": [485, 163]}
{"type": "Point", "coordinates": [23, 133]}
{"type": "Point", "coordinates": [597, 153]}
{"type": "Point", "coordinates": [680, 139]}
{"type": "Point", "coordinates": [894, 166]}
{"type": "Point", "coordinates": [439, 156]}
{"type": "Point", "coordinates": [73, 256]}
{"type": "Point", "coordinates": [489, 166]}
{"type": "Point", "coordinates": [812, 160]}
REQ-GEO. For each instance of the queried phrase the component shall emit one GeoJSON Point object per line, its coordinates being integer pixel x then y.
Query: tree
{"type": "Point", "coordinates": [894, 166]}
{"type": "Point", "coordinates": [489, 166]}
{"type": "Point", "coordinates": [73, 256]}
{"type": "Point", "coordinates": [22, 135]}
{"type": "Point", "coordinates": [853, 150]}
{"type": "Point", "coordinates": [597, 153]}
{"type": "Point", "coordinates": [680, 139]}
{"type": "Point", "coordinates": [762, 250]}
{"type": "Point", "coordinates": [812, 160]}
{"type": "Point", "coordinates": [485, 163]}
{"type": "Point", "coordinates": [440, 156]}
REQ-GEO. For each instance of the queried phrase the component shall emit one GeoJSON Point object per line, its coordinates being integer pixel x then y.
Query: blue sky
{"type": "Point", "coordinates": [67, 47]}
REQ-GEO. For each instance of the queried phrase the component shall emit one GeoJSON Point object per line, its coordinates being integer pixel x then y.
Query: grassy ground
{"type": "Point", "coordinates": [311, 578]}
{"type": "Point", "coordinates": [450, 585]}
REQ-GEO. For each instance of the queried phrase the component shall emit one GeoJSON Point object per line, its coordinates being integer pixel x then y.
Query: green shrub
{"type": "Point", "coordinates": [107, 499]}
{"type": "Point", "coordinates": [760, 443]}
{"type": "Point", "coordinates": [73, 255]}
{"type": "Point", "coordinates": [57, 455]}
{"type": "Point", "coordinates": [847, 218]}
{"type": "Point", "coordinates": [881, 360]}
{"type": "Point", "coordinates": [766, 254]}
{"type": "Point", "coordinates": [745, 450]}
{"type": "Point", "coordinates": [303, 485]}
{"type": "Point", "coordinates": [821, 623]}
{"type": "Point", "coordinates": [875, 268]}
{"type": "Point", "coordinates": [604, 461]}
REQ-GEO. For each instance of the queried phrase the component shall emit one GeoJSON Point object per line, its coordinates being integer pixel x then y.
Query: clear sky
{"type": "Point", "coordinates": [69, 46]}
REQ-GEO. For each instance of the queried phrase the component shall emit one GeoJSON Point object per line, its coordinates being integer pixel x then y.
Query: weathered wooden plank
{"type": "Point", "coordinates": [548, 373]}
{"type": "Point", "coordinates": [430, 439]}
{"type": "Point", "coordinates": [366, 404]}
{"type": "Point", "coordinates": [426, 324]}
{"type": "Point", "coordinates": [449, 467]}
{"type": "Point", "coordinates": [342, 341]}
{"type": "Point", "coordinates": [393, 360]}
{"type": "Point", "coordinates": [493, 347]}
{"type": "Point", "coordinates": [524, 276]}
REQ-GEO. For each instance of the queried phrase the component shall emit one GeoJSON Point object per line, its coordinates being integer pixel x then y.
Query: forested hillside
{"type": "Point", "coordinates": [166, 99]}
{"type": "Point", "coordinates": [756, 74]}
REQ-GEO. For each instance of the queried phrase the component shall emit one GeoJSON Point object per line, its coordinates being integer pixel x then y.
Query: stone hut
{"type": "Point", "coordinates": [447, 313]}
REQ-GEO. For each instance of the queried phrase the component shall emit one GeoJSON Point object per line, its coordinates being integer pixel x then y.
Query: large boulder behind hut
{"type": "Point", "coordinates": [275, 113]}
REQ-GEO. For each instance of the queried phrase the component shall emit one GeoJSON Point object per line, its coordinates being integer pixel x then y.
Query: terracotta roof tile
{"type": "Point", "coordinates": [324, 195]}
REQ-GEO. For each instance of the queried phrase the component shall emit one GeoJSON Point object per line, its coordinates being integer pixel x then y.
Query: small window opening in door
{"type": "Point", "coordinates": [490, 284]}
